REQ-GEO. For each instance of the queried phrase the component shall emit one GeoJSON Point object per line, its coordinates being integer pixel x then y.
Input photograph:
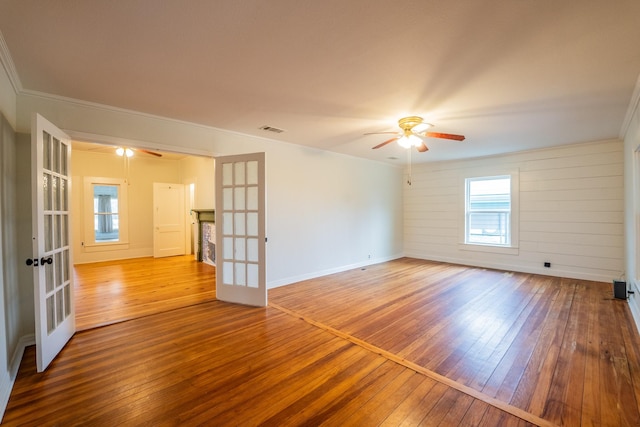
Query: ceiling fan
{"type": "Point", "coordinates": [414, 133]}
{"type": "Point", "coordinates": [128, 152]}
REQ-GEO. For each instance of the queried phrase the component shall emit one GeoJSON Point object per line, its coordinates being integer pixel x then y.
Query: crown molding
{"type": "Point", "coordinates": [631, 110]}
{"type": "Point", "coordinates": [133, 143]}
{"type": "Point", "coordinates": [9, 66]}
{"type": "Point", "coordinates": [111, 109]}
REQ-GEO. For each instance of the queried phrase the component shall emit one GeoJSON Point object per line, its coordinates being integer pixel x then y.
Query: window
{"type": "Point", "coordinates": [105, 214]}
{"type": "Point", "coordinates": [488, 211]}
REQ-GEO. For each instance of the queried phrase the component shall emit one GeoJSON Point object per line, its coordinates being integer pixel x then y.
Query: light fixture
{"type": "Point", "coordinates": [409, 140]}
{"type": "Point", "coordinates": [124, 151]}
{"type": "Point", "coordinates": [421, 127]}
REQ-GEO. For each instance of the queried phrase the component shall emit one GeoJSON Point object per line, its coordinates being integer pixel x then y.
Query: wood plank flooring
{"type": "Point", "coordinates": [561, 349]}
{"type": "Point", "coordinates": [222, 364]}
{"type": "Point", "coordinates": [407, 342]}
{"type": "Point", "coordinates": [114, 291]}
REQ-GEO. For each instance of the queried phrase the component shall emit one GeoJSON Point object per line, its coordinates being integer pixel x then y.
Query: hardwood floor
{"type": "Point", "coordinates": [114, 291]}
{"type": "Point", "coordinates": [406, 342]}
{"type": "Point", "coordinates": [561, 349]}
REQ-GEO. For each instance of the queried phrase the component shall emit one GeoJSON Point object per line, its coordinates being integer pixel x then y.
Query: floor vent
{"type": "Point", "coordinates": [271, 129]}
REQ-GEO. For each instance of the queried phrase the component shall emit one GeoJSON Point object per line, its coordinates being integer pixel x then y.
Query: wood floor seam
{"type": "Point", "coordinates": [517, 412]}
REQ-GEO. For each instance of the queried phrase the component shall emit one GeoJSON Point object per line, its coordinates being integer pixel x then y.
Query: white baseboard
{"type": "Point", "coordinates": [6, 383]}
{"type": "Point", "coordinates": [314, 275]}
{"type": "Point", "coordinates": [633, 304]}
{"type": "Point", "coordinates": [517, 268]}
{"type": "Point", "coordinates": [14, 363]}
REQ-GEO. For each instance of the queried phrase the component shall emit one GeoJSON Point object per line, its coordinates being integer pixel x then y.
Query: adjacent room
{"type": "Point", "coordinates": [319, 213]}
{"type": "Point", "coordinates": [121, 226]}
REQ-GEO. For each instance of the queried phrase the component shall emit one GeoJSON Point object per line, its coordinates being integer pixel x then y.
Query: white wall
{"type": "Point", "coordinates": [325, 212]}
{"type": "Point", "coordinates": [571, 211]}
{"type": "Point", "coordinates": [141, 173]}
{"type": "Point", "coordinates": [9, 324]}
{"type": "Point", "coordinates": [5, 379]}
{"type": "Point", "coordinates": [632, 204]}
{"type": "Point", "coordinates": [201, 172]}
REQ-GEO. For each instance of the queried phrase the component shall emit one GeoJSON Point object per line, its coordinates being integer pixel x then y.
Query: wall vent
{"type": "Point", "coordinates": [271, 129]}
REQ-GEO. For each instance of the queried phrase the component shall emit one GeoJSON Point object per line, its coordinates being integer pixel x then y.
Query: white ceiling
{"type": "Point", "coordinates": [111, 150]}
{"type": "Point", "coordinates": [510, 75]}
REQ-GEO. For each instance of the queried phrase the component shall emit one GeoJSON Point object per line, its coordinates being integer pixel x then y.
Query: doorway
{"type": "Point", "coordinates": [124, 281]}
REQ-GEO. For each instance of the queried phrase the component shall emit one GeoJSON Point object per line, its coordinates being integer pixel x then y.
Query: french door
{"type": "Point", "coordinates": [240, 229]}
{"type": "Point", "coordinates": [52, 264]}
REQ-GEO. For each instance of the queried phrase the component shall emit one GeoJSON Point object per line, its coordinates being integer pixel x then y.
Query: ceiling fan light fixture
{"type": "Point", "coordinates": [421, 127]}
{"type": "Point", "coordinates": [408, 141]}
{"type": "Point", "coordinates": [124, 151]}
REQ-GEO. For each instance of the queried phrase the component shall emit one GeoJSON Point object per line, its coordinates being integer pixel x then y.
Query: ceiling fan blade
{"type": "Point", "coordinates": [380, 133]}
{"type": "Point", "coordinates": [395, 138]}
{"type": "Point", "coordinates": [153, 153]}
{"type": "Point", "coordinates": [422, 148]}
{"type": "Point", "coordinates": [444, 136]}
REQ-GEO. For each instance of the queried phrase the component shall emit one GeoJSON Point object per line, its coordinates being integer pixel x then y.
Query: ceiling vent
{"type": "Point", "coordinates": [271, 129]}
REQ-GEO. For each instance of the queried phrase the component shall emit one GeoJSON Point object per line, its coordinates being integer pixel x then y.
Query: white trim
{"type": "Point", "coordinates": [7, 62]}
{"type": "Point", "coordinates": [495, 249]}
{"type": "Point", "coordinates": [555, 272]}
{"type": "Point", "coordinates": [631, 110]}
{"type": "Point", "coordinates": [13, 367]}
{"type": "Point", "coordinates": [488, 172]}
{"type": "Point", "coordinates": [176, 148]}
{"type": "Point", "coordinates": [88, 237]}
{"type": "Point", "coordinates": [635, 308]}
{"type": "Point", "coordinates": [24, 342]}
{"type": "Point", "coordinates": [314, 275]}
{"type": "Point", "coordinates": [133, 143]}
{"type": "Point", "coordinates": [101, 256]}
{"type": "Point", "coordinates": [119, 110]}
{"type": "Point", "coordinates": [6, 384]}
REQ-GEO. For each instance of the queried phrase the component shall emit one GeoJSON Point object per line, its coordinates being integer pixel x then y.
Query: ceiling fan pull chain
{"type": "Point", "coordinates": [409, 177]}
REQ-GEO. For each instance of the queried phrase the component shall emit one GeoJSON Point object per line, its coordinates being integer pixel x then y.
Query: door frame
{"type": "Point", "coordinates": [111, 141]}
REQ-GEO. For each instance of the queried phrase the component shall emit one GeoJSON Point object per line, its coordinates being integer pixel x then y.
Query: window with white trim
{"type": "Point", "coordinates": [105, 213]}
{"type": "Point", "coordinates": [488, 208]}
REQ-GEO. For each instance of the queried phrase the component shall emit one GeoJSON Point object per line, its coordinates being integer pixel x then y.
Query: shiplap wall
{"type": "Point", "coordinates": [570, 211]}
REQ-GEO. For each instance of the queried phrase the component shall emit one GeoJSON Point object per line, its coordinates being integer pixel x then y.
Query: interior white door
{"type": "Point", "coordinates": [53, 290]}
{"type": "Point", "coordinates": [169, 225]}
{"type": "Point", "coordinates": [240, 229]}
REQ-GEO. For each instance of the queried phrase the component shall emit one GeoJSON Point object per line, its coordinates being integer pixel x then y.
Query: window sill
{"type": "Point", "coordinates": [103, 247]}
{"type": "Point", "coordinates": [505, 250]}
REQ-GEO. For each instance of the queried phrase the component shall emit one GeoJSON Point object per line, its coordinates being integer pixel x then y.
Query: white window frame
{"type": "Point", "coordinates": [89, 242]}
{"type": "Point", "coordinates": [511, 248]}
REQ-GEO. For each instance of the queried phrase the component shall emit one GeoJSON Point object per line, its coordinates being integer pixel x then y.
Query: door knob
{"type": "Point", "coordinates": [42, 261]}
